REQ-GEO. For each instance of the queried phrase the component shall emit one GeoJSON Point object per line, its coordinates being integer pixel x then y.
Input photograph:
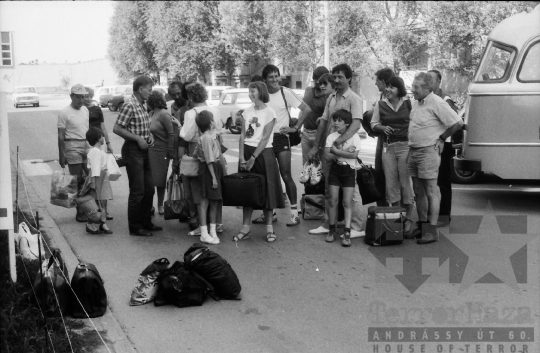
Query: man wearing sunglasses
{"type": "Point", "coordinates": [73, 122]}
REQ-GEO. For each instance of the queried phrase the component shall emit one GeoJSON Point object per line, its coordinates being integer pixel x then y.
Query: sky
{"type": "Point", "coordinates": [57, 31]}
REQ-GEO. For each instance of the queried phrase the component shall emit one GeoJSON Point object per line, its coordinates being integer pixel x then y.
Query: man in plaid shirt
{"type": "Point", "coordinates": [133, 125]}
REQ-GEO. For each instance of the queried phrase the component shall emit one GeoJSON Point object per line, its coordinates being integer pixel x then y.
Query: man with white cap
{"type": "Point", "coordinates": [72, 125]}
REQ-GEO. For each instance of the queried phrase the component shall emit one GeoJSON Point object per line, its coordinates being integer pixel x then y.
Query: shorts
{"type": "Point", "coordinates": [423, 162]}
{"type": "Point", "coordinates": [75, 151]}
{"type": "Point", "coordinates": [281, 143]}
{"type": "Point", "coordinates": [342, 175]}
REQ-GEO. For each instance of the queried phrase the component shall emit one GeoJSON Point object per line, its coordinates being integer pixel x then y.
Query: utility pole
{"type": "Point", "coordinates": [326, 37]}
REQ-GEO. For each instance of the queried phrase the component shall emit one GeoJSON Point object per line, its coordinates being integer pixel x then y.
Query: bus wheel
{"type": "Point", "coordinates": [465, 176]}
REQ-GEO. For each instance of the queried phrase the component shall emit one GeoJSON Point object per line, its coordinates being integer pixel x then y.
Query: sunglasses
{"type": "Point", "coordinates": [78, 96]}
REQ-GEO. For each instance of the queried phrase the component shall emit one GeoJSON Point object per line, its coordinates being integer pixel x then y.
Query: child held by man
{"type": "Point", "coordinates": [342, 173]}
{"type": "Point", "coordinates": [208, 151]}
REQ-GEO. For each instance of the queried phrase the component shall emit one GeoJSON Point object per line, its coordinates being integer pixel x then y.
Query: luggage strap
{"type": "Point", "coordinates": [313, 203]}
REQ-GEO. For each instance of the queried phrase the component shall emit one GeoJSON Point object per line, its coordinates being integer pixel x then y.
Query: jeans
{"type": "Point", "coordinates": [398, 182]}
{"type": "Point", "coordinates": [444, 182]}
{"type": "Point", "coordinates": [308, 141]}
{"type": "Point", "coordinates": [381, 181]}
{"type": "Point", "coordinates": [141, 186]}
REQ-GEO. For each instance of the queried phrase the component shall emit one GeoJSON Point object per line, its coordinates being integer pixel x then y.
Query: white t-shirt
{"type": "Point", "coordinates": [278, 105]}
{"type": "Point", "coordinates": [264, 117]}
{"type": "Point", "coordinates": [75, 122]}
{"type": "Point", "coordinates": [97, 161]}
{"type": "Point", "coordinates": [190, 131]}
{"type": "Point", "coordinates": [353, 141]}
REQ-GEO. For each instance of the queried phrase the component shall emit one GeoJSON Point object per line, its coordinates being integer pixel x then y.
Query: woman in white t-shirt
{"type": "Point", "coordinates": [258, 155]}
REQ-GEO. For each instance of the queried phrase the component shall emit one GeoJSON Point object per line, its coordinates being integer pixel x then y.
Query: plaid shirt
{"type": "Point", "coordinates": [134, 117]}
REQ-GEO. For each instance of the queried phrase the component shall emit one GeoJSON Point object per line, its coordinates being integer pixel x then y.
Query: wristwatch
{"type": "Point", "coordinates": [442, 138]}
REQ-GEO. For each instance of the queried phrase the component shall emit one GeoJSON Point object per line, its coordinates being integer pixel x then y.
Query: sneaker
{"type": "Point", "coordinates": [346, 242]}
{"type": "Point", "coordinates": [305, 176]}
{"type": "Point", "coordinates": [355, 234]}
{"type": "Point", "coordinates": [316, 172]}
{"type": "Point", "coordinates": [207, 239]}
{"type": "Point", "coordinates": [330, 237]}
{"type": "Point", "coordinates": [320, 230]}
{"type": "Point", "coordinates": [262, 219]}
{"type": "Point", "coordinates": [215, 237]}
{"type": "Point", "coordinates": [295, 220]}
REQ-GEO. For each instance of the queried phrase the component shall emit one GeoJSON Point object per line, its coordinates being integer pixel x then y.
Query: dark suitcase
{"type": "Point", "coordinates": [244, 189]}
{"type": "Point", "coordinates": [214, 269]}
{"type": "Point", "coordinates": [385, 226]}
{"type": "Point", "coordinates": [91, 300]}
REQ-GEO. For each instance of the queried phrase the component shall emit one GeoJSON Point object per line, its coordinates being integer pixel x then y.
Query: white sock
{"type": "Point", "coordinates": [269, 229]}
{"type": "Point", "coordinates": [204, 231]}
{"type": "Point", "coordinates": [213, 232]}
{"type": "Point", "coordinates": [294, 210]}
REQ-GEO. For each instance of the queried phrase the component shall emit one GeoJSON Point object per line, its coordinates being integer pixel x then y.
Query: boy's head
{"type": "Point", "coordinates": [204, 120]}
{"type": "Point", "coordinates": [343, 115]}
{"type": "Point", "coordinates": [93, 135]}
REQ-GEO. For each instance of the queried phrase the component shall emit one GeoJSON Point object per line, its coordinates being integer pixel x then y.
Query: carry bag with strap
{"type": "Point", "coordinates": [366, 178]}
{"type": "Point", "coordinates": [53, 292]}
{"type": "Point", "coordinates": [147, 287]}
{"type": "Point", "coordinates": [244, 189]}
{"type": "Point", "coordinates": [214, 269]}
{"type": "Point", "coordinates": [294, 137]}
{"type": "Point", "coordinates": [175, 205]}
{"type": "Point", "coordinates": [88, 287]}
{"type": "Point", "coordinates": [312, 207]}
{"type": "Point", "coordinates": [385, 226]}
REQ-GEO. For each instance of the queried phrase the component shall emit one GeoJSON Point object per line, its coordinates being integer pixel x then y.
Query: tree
{"type": "Point", "coordinates": [130, 51]}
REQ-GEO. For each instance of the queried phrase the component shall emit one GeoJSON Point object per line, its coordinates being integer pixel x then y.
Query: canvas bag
{"type": "Point", "coordinates": [312, 207]}
{"type": "Point", "coordinates": [63, 189]}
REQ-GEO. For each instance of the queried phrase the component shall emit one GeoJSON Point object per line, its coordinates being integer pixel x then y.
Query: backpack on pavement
{"type": "Point", "coordinates": [91, 298]}
{"type": "Point", "coordinates": [146, 289]}
{"type": "Point", "coordinates": [215, 269]}
{"type": "Point", "coordinates": [385, 226]}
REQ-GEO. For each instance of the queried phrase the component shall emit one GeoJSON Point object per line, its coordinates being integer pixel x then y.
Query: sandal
{"type": "Point", "coordinates": [241, 236]}
{"type": "Point", "coordinates": [270, 237]}
{"type": "Point", "coordinates": [195, 232]}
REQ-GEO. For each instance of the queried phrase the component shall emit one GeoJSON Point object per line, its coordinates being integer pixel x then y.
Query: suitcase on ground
{"type": "Point", "coordinates": [385, 226]}
{"type": "Point", "coordinates": [214, 269]}
{"type": "Point", "coordinates": [312, 207]}
{"type": "Point", "coordinates": [91, 300]}
{"type": "Point", "coordinates": [244, 189]}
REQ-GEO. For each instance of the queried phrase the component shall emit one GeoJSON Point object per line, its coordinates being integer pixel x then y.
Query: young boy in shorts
{"type": "Point", "coordinates": [342, 173]}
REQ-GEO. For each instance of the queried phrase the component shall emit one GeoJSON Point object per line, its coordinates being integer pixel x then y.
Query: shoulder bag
{"type": "Point", "coordinates": [294, 137]}
{"type": "Point", "coordinates": [366, 178]}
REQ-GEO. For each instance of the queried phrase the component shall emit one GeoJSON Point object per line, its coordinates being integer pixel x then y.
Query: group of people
{"type": "Point", "coordinates": [412, 138]}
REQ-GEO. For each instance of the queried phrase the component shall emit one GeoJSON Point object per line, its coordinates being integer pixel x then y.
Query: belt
{"type": "Point", "coordinates": [74, 139]}
{"type": "Point", "coordinates": [390, 139]}
{"type": "Point", "coordinates": [339, 162]}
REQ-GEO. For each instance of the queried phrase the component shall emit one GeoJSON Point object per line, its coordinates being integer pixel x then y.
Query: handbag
{"type": "Point", "coordinates": [175, 206]}
{"type": "Point", "coordinates": [384, 226]}
{"type": "Point", "coordinates": [63, 189]}
{"type": "Point", "coordinates": [244, 189]}
{"type": "Point", "coordinates": [113, 170]}
{"type": "Point", "coordinates": [366, 178]}
{"type": "Point", "coordinates": [189, 166]}
{"type": "Point", "coordinates": [294, 137]}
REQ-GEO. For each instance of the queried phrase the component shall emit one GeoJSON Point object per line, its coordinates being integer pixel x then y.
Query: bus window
{"type": "Point", "coordinates": [530, 67]}
{"type": "Point", "coordinates": [496, 64]}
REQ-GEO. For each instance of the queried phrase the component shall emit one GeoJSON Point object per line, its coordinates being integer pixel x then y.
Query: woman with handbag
{"type": "Point", "coordinates": [257, 156]}
{"type": "Point", "coordinates": [391, 117]}
{"type": "Point", "coordinates": [197, 96]}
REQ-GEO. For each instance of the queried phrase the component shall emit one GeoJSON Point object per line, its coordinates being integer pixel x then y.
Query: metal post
{"type": "Point", "coordinates": [326, 37]}
{"type": "Point", "coordinates": [17, 195]}
{"type": "Point", "coordinates": [42, 283]}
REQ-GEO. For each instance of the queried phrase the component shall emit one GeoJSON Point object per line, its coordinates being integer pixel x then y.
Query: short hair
{"type": "Point", "coordinates": [268, 69]}
{"type": "Point", "coordinates": [90, 91]}
{"type": "Point", "coordinates": [327, 78]}
{"type": "Point", "coordinates": [426, 79]}
{"type": "Point", "coordinates": [256, 78]}
{"type": "Point", "coordinates": [204, 120]}
{"type": "Point", "coordinates": [385, 74]}
{"type": "Point", "coordinates": [197, 92]}
{"type": "Point", "coordinates": [343, 115]}
{"type": "Point", "coordinates": [141, 81]}
{"type": "Point", "coordinates": [156, 100]}
{"type": "Point", "coordinates": [397, 82]}
{"type": "Point", "coordinates": [263, 90]}
{"type": "Point", "coordinates": [438, 73]}
{"type": "Point", "coordinates": [174, 84]}
{"type": "Point", "coordinates": [319, 71]}
{"type": "Point", "coordinates": [346, 69]}
{"type": "Point", "coordinates": [93, 135]}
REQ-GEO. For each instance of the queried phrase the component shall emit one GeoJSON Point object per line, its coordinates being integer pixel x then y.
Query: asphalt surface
{"type": "Point", "coordinates": [300, 294]}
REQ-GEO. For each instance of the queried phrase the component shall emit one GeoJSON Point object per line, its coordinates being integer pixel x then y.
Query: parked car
{"type": "Point", "coordinates": [214, 94]}
{"type": "Point", "coordinates": [118, 97]}
{"type": "Point", "coordinates": [103, 95]}
{"type": "Point", "coordinates": [25, 95]}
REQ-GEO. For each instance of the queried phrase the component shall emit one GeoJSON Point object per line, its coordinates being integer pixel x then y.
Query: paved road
{"type": "Point", "coordinates": [301, 294]}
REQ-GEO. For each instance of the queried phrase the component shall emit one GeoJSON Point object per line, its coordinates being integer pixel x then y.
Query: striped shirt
{"type": "Point", "coordinates": [134, 118]}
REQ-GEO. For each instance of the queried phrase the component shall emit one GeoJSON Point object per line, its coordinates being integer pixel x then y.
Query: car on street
{"type": "Point", "coordinates": [231, 101]}
{"type": "Point", "coordinates": [25, 95]}
{"type": "Point", "coordinates": [118, 97]}
{"type": "Point", "coordinates": [103, 95]}
{"type": "Point", "coordinates": [214, 94]}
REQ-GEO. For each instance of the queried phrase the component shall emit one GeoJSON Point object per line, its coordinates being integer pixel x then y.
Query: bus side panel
{"type": "Point", "coordinates": [505, 119]}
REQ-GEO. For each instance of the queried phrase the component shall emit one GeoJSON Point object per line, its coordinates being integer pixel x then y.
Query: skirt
{"type": "Point", "coordinates": [205, 180]}
{"type": "Point", "coordinates": [266, 164]}
{"type": "Point", "coordinates": [159, 165]}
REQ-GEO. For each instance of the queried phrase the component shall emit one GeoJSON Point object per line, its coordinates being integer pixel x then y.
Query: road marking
{"type": "Point", "coordinates": [492, 189]}
{"type": "Point", "coordinates": [35, 167]}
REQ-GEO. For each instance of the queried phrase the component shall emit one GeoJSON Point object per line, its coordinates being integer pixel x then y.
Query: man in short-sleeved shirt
{"type": "Point", "coordinates": [432, 122]}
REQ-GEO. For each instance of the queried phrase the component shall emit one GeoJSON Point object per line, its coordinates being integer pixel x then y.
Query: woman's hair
{"type": "Point", "coordinates": [90, 91]}
{"type": "Point", "coordinates": [204, 120]}
{"type": "Point", "coordinates": [156, 100]}
{"type": "Point", "coordinates": [263, 90]}
{"type": "Point", "coordinates": [343, 115]}
{"type": "Point", "coordinates": [256, 78]}
{"type": "Point", "coordinates": [385, 74]}
{"type": "Point", "coordinates": [93, 135]}
{"type": "Point", "coordinates": [397, 82]}
{"type": "Point", "coordinates": [197, 92]}
{"type": "Point", "coordinates": [327, 78]}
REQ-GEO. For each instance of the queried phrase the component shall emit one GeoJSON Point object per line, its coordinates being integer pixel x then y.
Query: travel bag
{"type": "Point", "coordinates": [52, 291]}
{"type": "Point", "coordinates": [385, 225]}
{"type": "Point", "coordinates": [87, 285]}
{"type": "Point", "coordinates": [214, 269]}
{"type": "Point", "coordinates": [366, 178]}
{"type": "Point", "coordinates": [175, 205]}
{"type": "Point", "coordinates": [312, 207]}
{"type": "Point", "coordinates": [146, 289]}
{"type": "Point", "coordinates": [244, 189]}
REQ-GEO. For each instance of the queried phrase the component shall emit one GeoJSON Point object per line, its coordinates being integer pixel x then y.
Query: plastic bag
{"type": "Point", "coordinates": [189, 166]}
{"type": "Point", "coordinates": [63, 189]}
{"type": "Point", "coordinates": [113, 170]}
{"type": "Point", "coordinates": [146, 290]}
{"type": "Point", "coordinates": [28, 243]}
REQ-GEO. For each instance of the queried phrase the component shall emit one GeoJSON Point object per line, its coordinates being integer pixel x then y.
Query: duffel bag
{"type": "Point", "coordinates": [54, 299]}
{"type": "Point", "coordinates": [366, 178]}
{"type": "Point", "coordinates": [91, 298]}
{"type": "Point", "coordinates": [312, 207]}
{"type": "Point", "coordinates": [244, 189]}
{"type": "Point", "coordinates": [214, 269]}
{"type": "Point", "coordinates": [385, 226]}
